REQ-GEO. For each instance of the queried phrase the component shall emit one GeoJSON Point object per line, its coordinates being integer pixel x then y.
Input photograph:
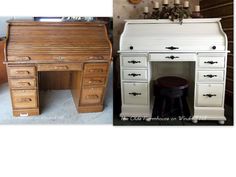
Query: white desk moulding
{"type": "Point", "coordinates": [195, 50]}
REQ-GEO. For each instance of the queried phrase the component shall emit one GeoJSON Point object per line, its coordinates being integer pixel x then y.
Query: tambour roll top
{"type": "Point", "coordinates": [165, 35]}
{"type": "Point", "coordinates": [33, 41]}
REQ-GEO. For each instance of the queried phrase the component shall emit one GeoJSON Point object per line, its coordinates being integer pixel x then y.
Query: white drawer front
{"type": "Point", "coordinates": [211, 62]}
{"type": "Point", "coordinates": [173, 57]}
{"type": "Point", "coordinates": [131, 61]}
{"type": "Point", "coordinates": [134, 74]}
{"type": "Point", "coordinates": [210, 95]}
{"type": "Point", "coordinates": [135, 93]}
{"type": "Point", "coordinates": [210, 76]}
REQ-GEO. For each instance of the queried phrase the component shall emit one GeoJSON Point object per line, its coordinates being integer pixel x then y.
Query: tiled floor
{"type": "Point", "coordinates": [57, 107]}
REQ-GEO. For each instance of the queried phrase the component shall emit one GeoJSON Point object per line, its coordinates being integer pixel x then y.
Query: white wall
{"type": "Point", "coordinates": [3, 23]}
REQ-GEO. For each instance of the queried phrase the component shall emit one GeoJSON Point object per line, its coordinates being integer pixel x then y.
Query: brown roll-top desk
{"type": "Point", "coordinates": [38, 51]}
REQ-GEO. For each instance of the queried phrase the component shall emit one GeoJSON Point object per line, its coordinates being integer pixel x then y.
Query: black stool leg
{"type": "Point", "coordinates": [172, 101]}
{"type": "Point", "coordinates": [155, 108]}
{"type": "Point", "coordinates": [163, 107]}
{"type": "Point", "coordinates": [181, 106]}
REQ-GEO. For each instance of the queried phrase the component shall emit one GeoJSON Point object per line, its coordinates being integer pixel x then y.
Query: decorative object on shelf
{"type": "Point", "coordinates": [83, 19]}
{"type": "Point", "coordinates": [177, 12]}
{"type": "Point", "coordinates": [156, 13]}
{"type": "Point", "coordinates": [134, 1]}
{"type": "Point", "coordinates": [186, 9]}
{"type": "Point", "coordinates": [180, 12]}
{"type": "Point", "coordinates": [196, 13]}
{"type": "Point", "coordinates": [165, 12]}
{"type": "Point", "coordinates": [145, 13]}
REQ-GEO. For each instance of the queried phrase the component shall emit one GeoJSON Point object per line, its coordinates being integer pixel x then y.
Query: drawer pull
{"type": "Point", "coordinates": [95, 82]}
{"type": "Point", "coordinates": [24, 114]}
{"type": "Point", "coordinates": [96, 57]}
{"type": "Point", "coordinates": [25, 83]}
{"type": "Point", "coordinates": [60, 58]}
{"type": "Point", "coordinates": [210, 75]}
{"type": "Point", "coordinates": [92, 96]}
{"type": "Point", "coordinates": [23, 58]}
{"type": "Point", "coordinates": [96, 70]}
{"type": "Point", "coordinates": [21, 100]}
{"type": "Point", "coordinates": [210, 62]}
{"type": "Point", "coordinates": [22, 72]}
{"type": "Point", "coordinates": [61, 67]}
{"type": "Point", "coordinates": [171, 57]}
{"type": "Point", "coordinates": [134, 61]}
{"type": "Point", "coordinates": [134, 74]}
{"type": "Point", "coordinates": [135, 93]}
{"type": "Point", "coordinates": [209, 95]}
{"type": "Point", "coordinates": [172, 48]}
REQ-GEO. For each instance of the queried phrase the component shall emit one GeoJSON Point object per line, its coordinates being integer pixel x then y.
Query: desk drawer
{"type": "Point", "coordinates": [94, 80]}
{"type": "Point", "coordinates": [26, 112]}
{"type": "Point", "coordinates": [172, 57]}
{"type": "Point", "coordinates": [211, 62]}
{"type": "Point", "coordinates": [135, 74]}
{"type": "Point", "coordinates": [131, 61]}
{"type": "Point", "coordinates": [23, 83]}
{"type": "Point", "coordinates": [60, 67]}
{"type": "Point", "coordinates": [135, 93]}
{"type": "Point", "coordinates": [210, 95]}
{"type": "Point", "coordinates": [24, 98]}
{"type": "Point", "coordinates": [95, 68]}
{"type": "Point", "coordinates": [92, 95]}
{"type": "Point", "coordinates": [21, 71]}
{"type": "Point", "coordinates": [210, 76]}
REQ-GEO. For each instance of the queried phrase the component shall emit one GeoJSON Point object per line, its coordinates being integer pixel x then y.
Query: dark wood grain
{"type": "Point", "coordinates": [229, 84]}
{"type": "Point", "coordinates": [230, 60]}
{"type": "Point", "coordinates": [218, 12]}
{"type": "Point", "coordinates": [223, 9]}
{"type": "Point", "coordinates": [231, 47]}
{"type": "Point", "coordinates": [230, 34]}
{"type": "Point", "coordinates": [227, 22]}
{"type": "Point", "coordinates": [212, 3]}
{"type": "Point", "coordinates": [230, 73]}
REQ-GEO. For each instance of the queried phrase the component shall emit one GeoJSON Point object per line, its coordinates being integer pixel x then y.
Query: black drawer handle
{"type": "Point", "coordinates": [210, 75]}
{"type": "Point", "coordinates": [172, 48]}
{"type": "Point", "coordinates": [210, 62]}
{"type": "Point", "coordinates": [172, 57]}
{"type": "Point", "coordinates": [134, 61]}
{"type": "Point", "coordinates": [135, 93]}
{"type": "Point", "coordinates": [134, 74]}
{"type": "Point", "coordinates": [209, 95]}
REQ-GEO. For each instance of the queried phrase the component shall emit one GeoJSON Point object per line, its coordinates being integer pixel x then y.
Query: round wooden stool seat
{"type": "Point", "coordinates": [170, 88]}
{"type": "Point", "coordinates": [172, 82]}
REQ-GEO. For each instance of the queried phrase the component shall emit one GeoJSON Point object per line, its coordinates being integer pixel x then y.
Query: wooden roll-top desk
{"type": "Point", "coordinates": [81, 50]}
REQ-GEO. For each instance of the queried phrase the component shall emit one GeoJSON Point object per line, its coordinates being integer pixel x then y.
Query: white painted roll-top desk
{"type": "Point", "coordinates": [195, 50]}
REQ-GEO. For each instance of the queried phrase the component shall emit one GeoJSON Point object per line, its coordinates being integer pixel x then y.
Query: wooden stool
{"type": "Point", "coordinates": [172, 88]}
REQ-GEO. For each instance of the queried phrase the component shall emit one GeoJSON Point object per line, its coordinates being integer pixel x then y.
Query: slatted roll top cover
{"type": "Point", "coordinates": [43, 42]}
{"type": "Point", "coordinates": [162, 35]}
